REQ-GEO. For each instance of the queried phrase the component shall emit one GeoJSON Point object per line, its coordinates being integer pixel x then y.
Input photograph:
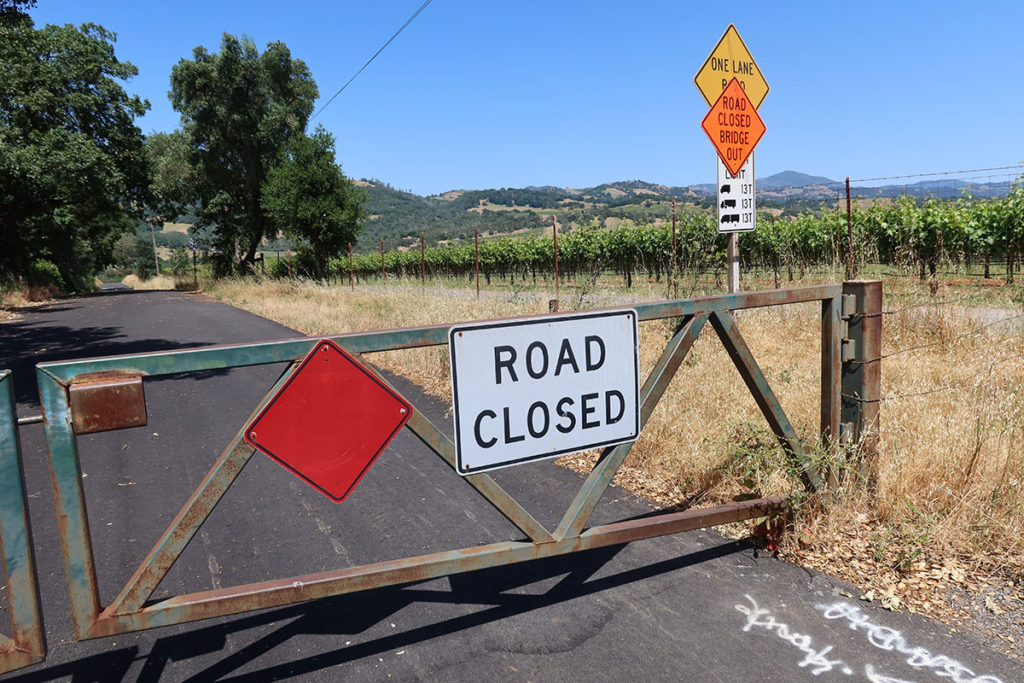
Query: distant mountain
{"type": "Point", "coordinates": [628, 191]}
{"type": "Point", "coordinates": [792, 179]}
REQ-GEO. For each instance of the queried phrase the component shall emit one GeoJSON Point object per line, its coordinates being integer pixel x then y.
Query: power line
{"type": "Point", "coordinates": [837, 186]}
{"type": "Point", "coordinates": [922, 175]}
{"type": "Point", "coordinates": [402, 28]}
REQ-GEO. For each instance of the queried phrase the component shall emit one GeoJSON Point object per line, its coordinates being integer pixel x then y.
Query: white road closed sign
{"type": "Point", "coordinates": [535, 388]}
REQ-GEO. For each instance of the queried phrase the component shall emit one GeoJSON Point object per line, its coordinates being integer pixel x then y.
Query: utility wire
{"type": "Point", "coordinates": [402, 28]}
{"type": "Point", "coordinates": [922, 175]}
{"type": "Point", "coordinates": [894, 311]}
{"type": "Point", "coordinates": [949, 387]}
{"type": "Point", "coordinates": [937, 343]}
{"type": "Point", "coordinates": [837, 185]}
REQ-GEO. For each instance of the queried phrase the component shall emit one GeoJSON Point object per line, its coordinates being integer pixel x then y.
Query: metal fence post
{"type": "Point", "coordinates": [862, 364]}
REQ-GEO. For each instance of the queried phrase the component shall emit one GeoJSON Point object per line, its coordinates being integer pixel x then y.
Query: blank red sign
{"type": "Point", "coordinates": [329, 421]}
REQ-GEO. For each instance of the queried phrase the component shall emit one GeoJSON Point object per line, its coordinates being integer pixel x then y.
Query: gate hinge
{"type": "Point", "coordinates": [849, 306]}
{"type": "Point", "coordinates": [849, 350]}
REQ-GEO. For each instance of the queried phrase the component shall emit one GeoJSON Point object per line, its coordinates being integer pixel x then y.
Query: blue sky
{"type": "Point", "coordinates": [479, 94]}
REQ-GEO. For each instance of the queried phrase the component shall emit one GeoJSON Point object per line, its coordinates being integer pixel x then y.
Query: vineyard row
{"type": "Point", "coordinates": [903, 232]}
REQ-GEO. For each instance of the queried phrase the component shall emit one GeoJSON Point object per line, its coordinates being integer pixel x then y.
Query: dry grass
{"type": "Point", "coordinates": [942, 499]}
{"type": "Point", "coordinates": [13, 299]}
{"type": "Point", "coordinates": [317, 310]}
{"type": "Point", "coordinates": [158, 282]}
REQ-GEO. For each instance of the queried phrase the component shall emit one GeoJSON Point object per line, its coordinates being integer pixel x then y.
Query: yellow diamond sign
{"type": "Point", "coordinates": [731, 59]}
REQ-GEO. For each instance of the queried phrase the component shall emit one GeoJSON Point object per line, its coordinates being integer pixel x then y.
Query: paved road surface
{"type": "Point", "coordinates": [692, 607]}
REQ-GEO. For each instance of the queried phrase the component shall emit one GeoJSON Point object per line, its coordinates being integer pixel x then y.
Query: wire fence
{"type": "Point", "coordinates": [981, 329]}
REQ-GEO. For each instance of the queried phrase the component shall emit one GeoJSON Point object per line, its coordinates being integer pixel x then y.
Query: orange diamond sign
{"type": "Point", "coordinates": [733, 126]}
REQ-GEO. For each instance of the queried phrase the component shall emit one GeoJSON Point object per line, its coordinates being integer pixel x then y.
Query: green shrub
{"type": "Point", "coordinates": [43, 273]}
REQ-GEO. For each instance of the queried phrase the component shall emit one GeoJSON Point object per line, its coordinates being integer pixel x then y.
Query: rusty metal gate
{"type": "Point", "coordinates": [104, 393]}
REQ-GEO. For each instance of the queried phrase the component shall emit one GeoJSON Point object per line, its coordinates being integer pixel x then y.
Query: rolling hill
{"type": "Point", "coordinates": [399, 218]}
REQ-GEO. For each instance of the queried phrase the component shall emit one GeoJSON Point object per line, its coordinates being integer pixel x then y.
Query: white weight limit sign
{"type": "Point", "coordinates": [736, 208]}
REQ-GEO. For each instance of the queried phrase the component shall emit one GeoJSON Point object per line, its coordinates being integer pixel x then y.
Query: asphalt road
{"type": "Point", "coordinates": [691, 607]}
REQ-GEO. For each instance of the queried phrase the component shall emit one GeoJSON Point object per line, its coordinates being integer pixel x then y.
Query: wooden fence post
{"type": "Point", "coordinates": [862, 365]}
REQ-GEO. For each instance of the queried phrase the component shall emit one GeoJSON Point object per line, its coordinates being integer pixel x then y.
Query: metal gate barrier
{"type": "Point", "coordinates": [104, 393]}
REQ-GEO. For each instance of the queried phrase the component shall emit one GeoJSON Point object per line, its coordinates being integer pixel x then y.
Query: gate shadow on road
{"type": "Point", "coordinates": [500, 588]}
{"type": "Point", "coordinates": [23, 345]}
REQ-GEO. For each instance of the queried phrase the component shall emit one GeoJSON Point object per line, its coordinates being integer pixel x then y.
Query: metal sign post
{"type": "Point", "coordinates": [734, 128]}
{"type": "Point", "coordinates": [732, 84]}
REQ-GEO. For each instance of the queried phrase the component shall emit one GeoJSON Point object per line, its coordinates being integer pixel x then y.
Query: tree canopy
{"type": "Point", "coordinates": [309, 199]}
{"type": "Point", "coordinates": [171, 187]}
{"type": "Point", "coordinates": [239, 110]}
{"type": "Point", "coordinates": [73, 162]}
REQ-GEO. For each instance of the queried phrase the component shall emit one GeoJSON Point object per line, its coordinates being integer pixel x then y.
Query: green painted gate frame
{"type": "Point", "coordinates": [27, 645]}
{"type": "Point", "coordinates": [132, 610]}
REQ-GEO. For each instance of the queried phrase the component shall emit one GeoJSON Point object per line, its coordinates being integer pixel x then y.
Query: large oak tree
{"type": "Point", "coordinates": [72, 160]}
{"type": "Point", "coordinates": [239, 109]}
{"type": "Point", "coordinates": [310, 200]}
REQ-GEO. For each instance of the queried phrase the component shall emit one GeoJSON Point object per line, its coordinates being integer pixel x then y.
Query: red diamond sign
{"type": "Point", "coordinates": [329, 421]}
{"type": "Point", "coordinates": [733, 126]}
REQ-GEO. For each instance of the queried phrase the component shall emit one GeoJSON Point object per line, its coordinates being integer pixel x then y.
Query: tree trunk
{"type": "Point", "coordinates": [249, 258]}
{"type": "Point", "coordinates": [318, 264]}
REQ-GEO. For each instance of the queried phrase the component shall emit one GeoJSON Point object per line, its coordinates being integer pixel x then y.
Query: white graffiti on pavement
{"type": "Point", "coordinates": [815, 659]}
{"type": "Point", "coordinates": [891, 640]}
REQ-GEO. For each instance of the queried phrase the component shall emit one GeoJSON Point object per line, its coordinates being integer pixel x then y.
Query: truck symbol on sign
{"type": "Point", "coordinates": [731, 218]}
{"type": "Point", "coordinates": [726, 189]}
{"type": "Point", "coordinates": [729, 204]}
